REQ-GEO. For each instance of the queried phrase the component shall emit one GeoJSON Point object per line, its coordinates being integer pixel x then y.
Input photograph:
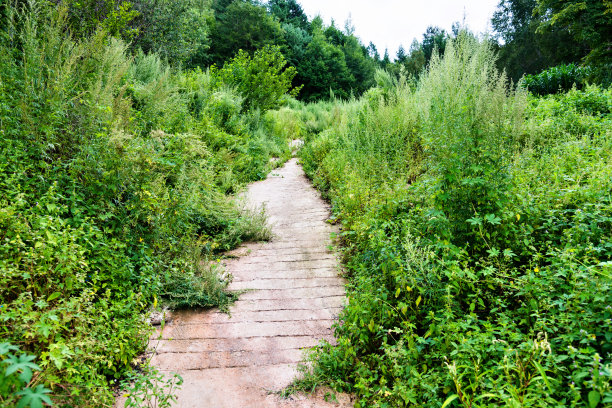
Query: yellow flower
{"type": "Point", "coordinates": [536, 269]}
{"type": "Point", "coordinates": [140, 239]}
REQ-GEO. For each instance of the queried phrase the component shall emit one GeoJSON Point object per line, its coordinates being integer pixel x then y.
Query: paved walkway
{"type": "Point", "coordinates": [293, 294]}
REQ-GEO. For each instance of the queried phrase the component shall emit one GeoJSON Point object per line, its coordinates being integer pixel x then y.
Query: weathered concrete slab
{"type": "Point", "coordinates": [291, 294]}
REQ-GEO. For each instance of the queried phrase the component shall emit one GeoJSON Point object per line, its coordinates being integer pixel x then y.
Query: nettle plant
{"type": "Point", "coordinates": [17, 378]}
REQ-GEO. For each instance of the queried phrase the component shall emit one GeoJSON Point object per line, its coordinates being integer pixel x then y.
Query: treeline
{"type": "Point", "coordinates": [200, 33]}
{"type": "Point", "coordinates": [530, 36]}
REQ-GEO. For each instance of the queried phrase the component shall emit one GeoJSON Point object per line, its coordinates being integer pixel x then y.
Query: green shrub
{"type": "Point", "coordinates": [115, 182]}
{"type": "Point", "coordinates": [470, 122]}
{"type": "Point", "coordinates": [263, 79]}
{"type": "Point", "coordinates": [16, 379]}
{"type": "Point", "coordinates": [557, 79]}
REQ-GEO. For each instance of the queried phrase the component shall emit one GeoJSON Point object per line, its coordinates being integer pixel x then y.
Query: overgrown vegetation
{"type": "Point", "coordinates": [116, 176]}
{"type": "Point", "coordinates": [561, 78]}
{"type": "Point", "coordinates": [476, 237]}
{"type": "Point", "coordinates": [476, 215]}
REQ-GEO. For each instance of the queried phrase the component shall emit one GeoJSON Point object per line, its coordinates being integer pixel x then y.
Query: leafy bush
{"type": "Point", "coordinates": [151, 389]}
{"type": "Point", "coordinates": [262, 79]}
{"type": "Point", "coordinates": [557, 79]}
{"type": "Point", "coordinates": [115, 186]}
{"type": "Point", "coordinates": [475, 225]}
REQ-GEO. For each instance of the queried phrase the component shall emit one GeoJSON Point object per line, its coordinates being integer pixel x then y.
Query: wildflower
{"type": "Point", "coordinates": [140, 239]}
{"type": "Point", "coordinates": [452, 367]}
{"type": "Point", "coordinates": [536, 269]}
{"type": "Point", "coordinates": [541, 342]}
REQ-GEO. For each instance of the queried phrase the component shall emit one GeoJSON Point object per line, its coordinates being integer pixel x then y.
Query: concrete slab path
{"type": "Point", "coordinates": [292, 296]}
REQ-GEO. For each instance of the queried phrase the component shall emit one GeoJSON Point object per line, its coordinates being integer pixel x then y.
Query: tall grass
{"type": "Point", "coordinates": [474, 219]}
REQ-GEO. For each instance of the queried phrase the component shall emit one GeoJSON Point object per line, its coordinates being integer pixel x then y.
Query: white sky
{"type": "Point", "coordinates": [389, 23]}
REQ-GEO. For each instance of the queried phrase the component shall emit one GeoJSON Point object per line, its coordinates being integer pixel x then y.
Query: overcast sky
{"type": "Point", "coordinates": [389, 23]}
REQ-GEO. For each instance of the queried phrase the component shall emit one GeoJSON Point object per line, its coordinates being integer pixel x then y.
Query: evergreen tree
{"type": "Point", "coordinates": [242, 25]}
{"type": "Point", "coordinates": [373, 52]}
{"type": "Point", "coordinates": [401, 56]}
{"type": "Point", "coordinates": [434, 39]}
{"type": "Point", "coordinates": [323, 69]}
{"type": "Point", "coordinates": [359, 65]}
{"type": "Point", "coordinates": [386, 61]}
{"type": "Point", "coordinates": [289, 12]}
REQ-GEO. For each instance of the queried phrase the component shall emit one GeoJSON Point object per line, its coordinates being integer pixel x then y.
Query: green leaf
{"type": "Point", "coordinates": [34, 398]}
{"type": "Point", "coordinates": [594, 399]}
{"type": "Point", "coordinates": [493, 219]}
{"type": "Point", "coordinates": [475, 221]}
{"type": "Point", "coordinates": [493, 252]}
{"type": "Point", "coordinates": [6, 347]}
{"type": "Point", "coordinates": [449, 400]}
{"type": "Point", "coordinates": [24, 365]}
{"type": "Point", "coordinates": [544, 376]}
{"type": "Point", "coordinates": [53, 296]}
{"type": "Point", "coordinates": [371, 326]}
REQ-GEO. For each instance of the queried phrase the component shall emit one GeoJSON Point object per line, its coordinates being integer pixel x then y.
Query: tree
{"type": "Point", "coordinates": [401, 56]}
{"type": "Point", "coordinates": [373, 52]}
{"type": "Point", "coordinates": [523, 49]}
{"type": "Point", "coordinates": [334, 35]}
{"type": "Point", "coordinates": [175, 29]}
{"type": "Point", "coordinates": [359, 64]}
{"type": "Point", "coordinates": [434, 39]}
{"type": "Point", "coordinates": [262, 79]}
{"type": "Point", "coordinates": [243, 26]}
{"type": "Point", "coordinates": [386, 61]}
{"type": "Point", "coordinates": [296, 41]}
{"type": "Point", "coordinates": [289, 12]}
{"type": "Point", "coordinates": [588, 21]}
{"type": "Point", "coordinates": [114, 16]}
{"type": "Point", "coordinates": [415, 63]}
{"type": "Point", "coordinates": [323, 69]}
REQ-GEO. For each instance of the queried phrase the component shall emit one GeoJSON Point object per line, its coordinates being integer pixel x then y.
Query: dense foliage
{"type": "Point", "coordinates": [115, 180]}
{"type": "Point", "coordinates": [476, 216]}
{"type": "Point", "coordinates": [476, 238]}
{"type": "Point", "coordinates": [561, 78]}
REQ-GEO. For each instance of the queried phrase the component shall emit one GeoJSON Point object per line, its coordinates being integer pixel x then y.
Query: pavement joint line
{"type": "Point", "coordinates": [295, 288]}
{"type": "Point", "coordinates": [159, 353]}
{"type": "Point", "coordinates": [255, 321]}
{"type": "Point", "coordinates": [280, 336]}
{"type": "Point", "coordinates": [281, 298]}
